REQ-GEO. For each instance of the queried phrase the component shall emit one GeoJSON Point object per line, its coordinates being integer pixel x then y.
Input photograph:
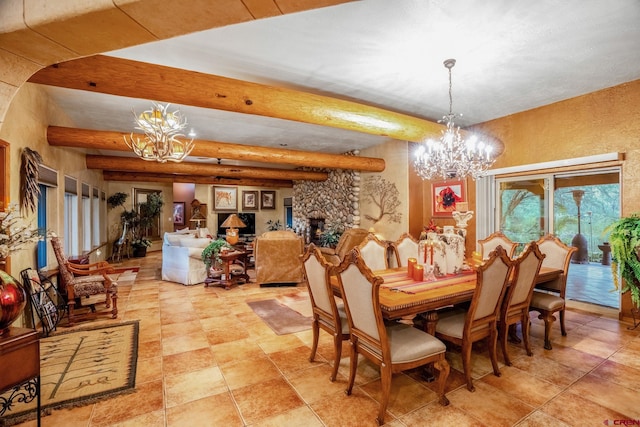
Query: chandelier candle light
{"type": "Point", "coordinates": [451, 156]}
{"type": "Point", "coordinates": [161, 129]}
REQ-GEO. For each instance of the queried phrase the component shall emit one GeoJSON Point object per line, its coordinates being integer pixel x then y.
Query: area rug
{"type": "Point", "coordinates": [81, 367]}
{"type": "Point", "coordinates": [279, 317]}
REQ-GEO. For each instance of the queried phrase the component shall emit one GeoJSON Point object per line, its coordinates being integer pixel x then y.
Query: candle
{"type": "Point", "coordinates": [411, 263]}
{"type": "Point", "coordinates": [431, 254]}
{"type": "Point", "coordinates": [418, 273]}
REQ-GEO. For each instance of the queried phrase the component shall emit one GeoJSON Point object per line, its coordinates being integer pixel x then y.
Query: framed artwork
{"type": "Point", "coordinates": [249, 200]}
{"type": "Point", "coordinates": [225, 198]}
{"type": "Point", "coordinates": [178, 213]}
{"type": "Point", "coordinates": [267, 200]}
{"type": "Point", "coordinates": [447, 196]}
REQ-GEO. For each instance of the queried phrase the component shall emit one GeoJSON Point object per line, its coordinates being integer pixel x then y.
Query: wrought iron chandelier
{"type": "Point", "coordinates": [162, 130]}
{"type": "Point", "coordinates": [452, 156]}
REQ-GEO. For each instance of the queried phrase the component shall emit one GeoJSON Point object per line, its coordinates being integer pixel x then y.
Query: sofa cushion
{"type": "Point", "coordinates": [194, 242]}
{"type": "Point", "coordinates": [172, 239]}
{"type": "Point", "coordinates": [195, 252]}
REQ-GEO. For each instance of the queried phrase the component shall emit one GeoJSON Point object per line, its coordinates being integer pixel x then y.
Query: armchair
{"type": "Point", "coordinates": [81, 283]}
{"type": "Point", "coordinates": [277, 257]}
{"type": "Point", "coordinates": [349, 240]}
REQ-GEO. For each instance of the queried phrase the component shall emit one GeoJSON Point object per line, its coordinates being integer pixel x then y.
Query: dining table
{"type": "Point", "coordinates": [401, 296]}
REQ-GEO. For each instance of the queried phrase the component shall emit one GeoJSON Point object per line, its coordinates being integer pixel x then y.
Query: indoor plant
{"type": "Point", "coordinates": [140, 222]}
{"type": "Point", "coordinates": [624, 239]}
{"type": "Point", "coordinates": [330, 238]}
{"type": "Point", "coordinates": [212, 252]}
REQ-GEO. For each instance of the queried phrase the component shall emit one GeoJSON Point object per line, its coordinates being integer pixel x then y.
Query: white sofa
{"type": "Point", "coordinates": [181, 257]}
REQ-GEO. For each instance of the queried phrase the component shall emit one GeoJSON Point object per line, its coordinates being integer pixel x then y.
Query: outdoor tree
{"type": "Point", "coordinates": [384, 196]}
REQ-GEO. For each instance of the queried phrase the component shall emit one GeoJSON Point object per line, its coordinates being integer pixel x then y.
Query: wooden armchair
{"type": "Point", "coordinates": [394, 348]}
{"type": "Point", "coordinates": [494, 240]}
{"type": "Point", "coordinates": [327, 314]}
{"type": "Point", "coordinates": [348, 240]}
{"type": "Point", "coordinates": [549, 297]}
{"type": "Point", "coordinates": [85, 285]}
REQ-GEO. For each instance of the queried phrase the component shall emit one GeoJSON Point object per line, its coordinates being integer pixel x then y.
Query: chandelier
{"type": "Point", "coordinates": [161, 129]}
{"type": "Point", "coordinates": [452, 156]}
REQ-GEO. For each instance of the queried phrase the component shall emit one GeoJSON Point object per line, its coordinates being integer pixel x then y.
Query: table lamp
{"type": "Point", "coordinates": [232, 223]}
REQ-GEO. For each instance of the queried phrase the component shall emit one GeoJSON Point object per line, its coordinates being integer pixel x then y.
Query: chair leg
{"type": "Point", "coordinates": [526, 324]}
{"type": "Point", "coordinates": [466, 364]}
{"type": "Point", "coordinates": [443, 373]}
{"type": "Point", "coordinates": [563, 330]}
{"type": "Point", "coordinates": [353, 366]}
{"type": "Point", "coordinates": [114, 302]}
{"type": "Point", "coordinates": [548, 318]}
{"type": "Point", "coordinates": [385, 381]}
{"type": "Point", "coordinates": [337, 345]}
{"type": "Point", "coordinates": [316, 332]}
{"type": "Point", "coordinates": [70, 305]}
{"type": "Point", "coordinates": [502, 337]}
{"type": "Point", "coordinates": [493, 351]}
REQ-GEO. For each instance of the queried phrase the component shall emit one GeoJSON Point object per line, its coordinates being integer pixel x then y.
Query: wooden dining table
{"type": "Point", "coordinates": [402, 296]}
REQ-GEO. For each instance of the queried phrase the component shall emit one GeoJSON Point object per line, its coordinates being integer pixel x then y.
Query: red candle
{"type": "Point", "coordinates": [411, 264]}
{"type": "Point", "coordinates": [418, 273]}
{"type": "Point", "coordinates": [431, 254]}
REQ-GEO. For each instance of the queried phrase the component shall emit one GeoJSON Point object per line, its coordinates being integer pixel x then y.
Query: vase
{"type": "Point", "coordinates": [13, 299]}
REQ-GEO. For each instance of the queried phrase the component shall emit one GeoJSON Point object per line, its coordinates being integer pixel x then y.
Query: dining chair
{"type": "Point", "coordinates": [464, 327]}
{"type": "Point", "coordinates": [374, 252]}
{"type": "Point", "coordinates": [404, 248]}
{"type": "Point", "coordinates": [395, 347]}
{"type": "Point", "coordinates": [85, 285]}
{"type": "Point", "coordinates": [494, 240]}
{"type": "Point", "coordinates": [515, 307]}
{"type": "Point", "coordinates": [327, 314]}
{"type": "Point", "coordinates": [549, 297]}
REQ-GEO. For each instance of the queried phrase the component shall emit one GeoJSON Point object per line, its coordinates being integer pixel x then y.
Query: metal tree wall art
{"type": "Point", "coordinates": [29, 188]}
{"type": "Point", "coordinates": [384, 195]}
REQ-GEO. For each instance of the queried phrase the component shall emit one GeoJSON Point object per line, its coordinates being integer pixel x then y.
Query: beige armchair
{"type": "Point", "coordinates": [349, 240]}
{"type": "Point", "coordinates": [277, 257]}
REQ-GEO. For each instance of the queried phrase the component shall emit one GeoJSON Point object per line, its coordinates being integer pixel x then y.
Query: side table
{"type": "Point", "coordinates": [20, 364]}
{"type": "Point", "coordinates": [228, 280]}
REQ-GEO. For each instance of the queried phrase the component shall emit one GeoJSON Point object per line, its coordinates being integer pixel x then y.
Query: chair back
{"type": "Point", "coordinates": [374, 252]}
{"type": "Point", "coordinates": [360, 292]}
{"type": "Point", "coordinates": [493, 241]}
{"type": "Point", "coordinates": [58, 250]}
{"type": "Point", "coordinates": [349, 240]}
{"type": "Point", "coordinates": [317, 272]}
{"type": "Point", "coordinates": [404, 248]}
{"type": "Point", "coordinates": [525, 270]}
{"type": "Point", "coordinates": [557, 255]}
{"type": "Point", "coordinates": [493, 277]}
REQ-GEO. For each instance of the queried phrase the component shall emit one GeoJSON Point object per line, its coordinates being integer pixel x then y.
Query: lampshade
{"type": "Point", "coordinates": [197, 217]}
{"type": "Point", "coordinates": [233, 221]}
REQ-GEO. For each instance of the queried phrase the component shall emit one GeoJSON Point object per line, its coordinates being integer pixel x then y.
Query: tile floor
{"type": "Point", "coordinates": [206, 359]}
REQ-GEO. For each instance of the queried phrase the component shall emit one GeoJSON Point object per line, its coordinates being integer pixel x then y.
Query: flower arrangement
{"type": "Point", "coordinates": [14, 234]}
{"type": "Point", "coordinates": [141, 242]}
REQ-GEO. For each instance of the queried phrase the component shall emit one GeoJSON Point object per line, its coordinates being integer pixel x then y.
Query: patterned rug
{"type": "Point", "coordinates": [80, 367]}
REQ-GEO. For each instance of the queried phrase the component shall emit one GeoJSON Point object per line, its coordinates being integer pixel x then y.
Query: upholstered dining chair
{"type": "Point", "coordinates": [394, 348]}
{"type": "Point", "coordinates": [549, 297]}
{"type": "Point", "coordinates": [494, 240]}
{"type": "Point", "coordinates": [374, 252]}
{"type": "Point", "coordinates": [85, 285]}
{"type": "Point", "coordinates": [464, 327]}
{"type": "Point", "coordinates": [348, 240]}
{"type": "Point", "coordinates": [404, 248]}
{"type": "Point", "coordinates": [327, 314]}
{"type": "Point", "coordinates": [515, 307]}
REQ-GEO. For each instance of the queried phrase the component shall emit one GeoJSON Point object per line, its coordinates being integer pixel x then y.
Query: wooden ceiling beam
{"type": "Point", "coordinates": [174, 85]}
{"type": "Point", "coordinates": [194, 179]}
{"type": "Point", "coordinates": [110, 140]}
{"type": "Point", "coordinates": [129, 164]}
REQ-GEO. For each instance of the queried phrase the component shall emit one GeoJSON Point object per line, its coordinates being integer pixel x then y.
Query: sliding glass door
{"type": "Point", "coordinates": [523, 206]}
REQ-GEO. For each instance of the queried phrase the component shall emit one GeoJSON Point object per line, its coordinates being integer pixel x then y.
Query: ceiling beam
{"type": "Point", "coordinates": [194, 179]}
{"type": "Point", "coordinates": [111, 140]}
{"type": "Point", "coordinates": [129, 164]}
{"type": "Point", "coordinates": [143, 80]}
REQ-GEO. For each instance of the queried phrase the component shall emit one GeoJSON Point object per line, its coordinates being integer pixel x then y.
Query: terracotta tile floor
{"type": "Point", "coordinates": [206, 359]}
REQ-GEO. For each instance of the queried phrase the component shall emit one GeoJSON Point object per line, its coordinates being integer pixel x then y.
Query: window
{"type": "Point", "coordinates": [70, 225]}
{"type": "Point", "coordinates": [47, 212]}
{"type": "Point", "coordinates": [86, 218]}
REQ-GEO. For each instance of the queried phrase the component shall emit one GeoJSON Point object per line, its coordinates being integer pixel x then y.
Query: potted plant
{"type": "Point", "coordinates": [624, 239]}
{"type": "Point", "coordinates": [141, 221]}
{"type": "Point", "coordinates": [212, 252]}
{"type": "Point", "coordinates": [329, 238]}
